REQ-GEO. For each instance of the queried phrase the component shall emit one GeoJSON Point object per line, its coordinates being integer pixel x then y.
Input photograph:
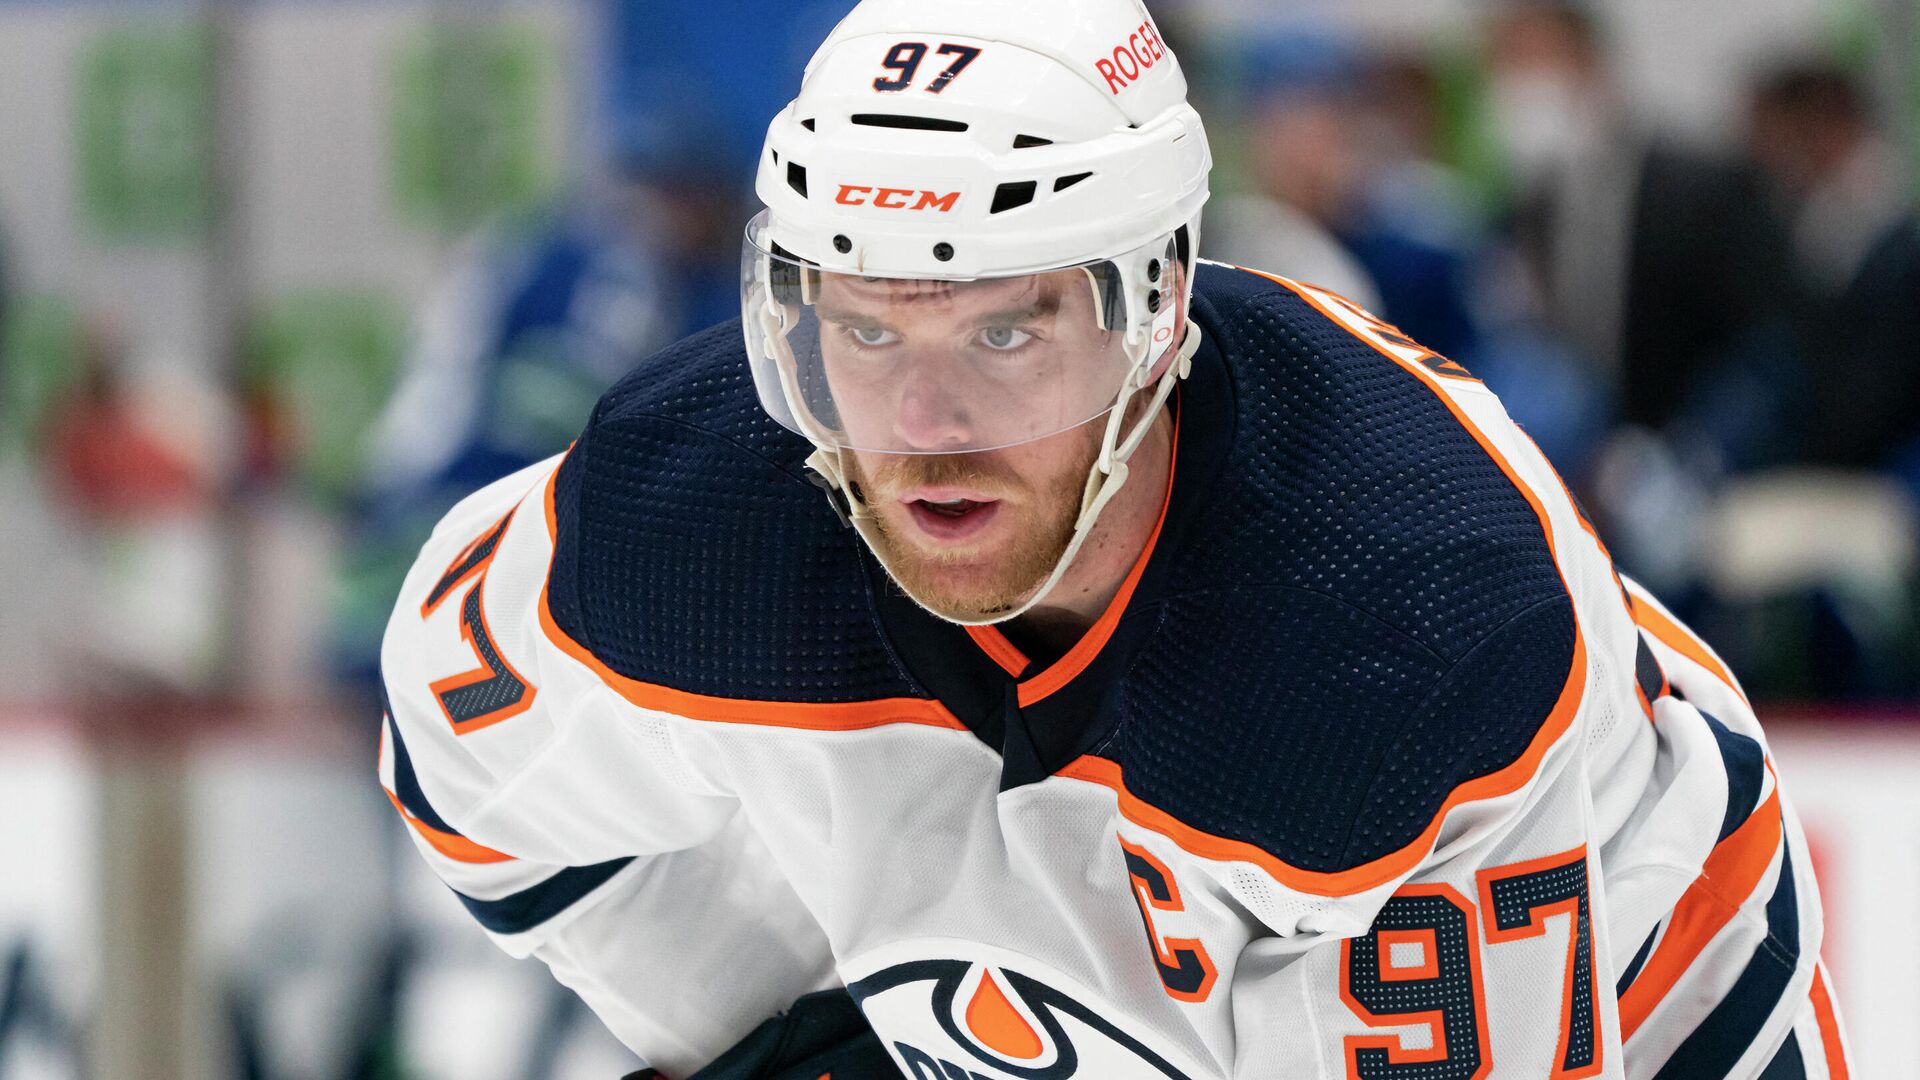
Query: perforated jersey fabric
{"type": "Point", "coordinates": [694, 554]}
{"type": "Point", "coordinates": [1356, 609]}
{"type": "Point", "coordinates": [1367, 613]}
{"type": "Point", "coordinates": [1350, 478]}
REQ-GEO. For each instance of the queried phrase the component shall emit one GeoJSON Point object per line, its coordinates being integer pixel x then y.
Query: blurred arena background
{"type": "Point", "coordinates": [281, 279]}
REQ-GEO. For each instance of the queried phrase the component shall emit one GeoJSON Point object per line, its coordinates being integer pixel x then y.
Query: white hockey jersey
{"type": "Point", "coordinates": [1375, 768]}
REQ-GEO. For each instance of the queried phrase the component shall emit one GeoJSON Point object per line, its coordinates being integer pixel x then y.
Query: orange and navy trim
{"type": "Point", "coordinates": [1352, 312]}
{"type": "Point", "coordinates": [515, 913]}
{"type": "Point", "coordinates": [1186, 971]}
{"type": "Point", "coordinates": [1515, 901]}
{"type": "Point", "coordinates": [1457, 1045]}
{"type": "Point", "coordinates": [412, 805]}
{"type": "Point", "coordinates": [1670, 632]}
{"type": "Point", "coordinates": [519, 912]}
{"type": "Point", "coordinates": [1832, 1047]}
{"type": "Point", "coordinates": [495, 690]}
{"type": "Point", "coordinates": [1729, 880]}
{"type": "Point", "coordinates": [1057, 675]}
{"type": "Point", "coordinates": [1718, 1042]}
{"type": "Point", "coordinates": [1403, 861]}
{"type": "Point", "coordinates": [1380, 871]}
{"type": "Point", "coordinates": [800, 716]}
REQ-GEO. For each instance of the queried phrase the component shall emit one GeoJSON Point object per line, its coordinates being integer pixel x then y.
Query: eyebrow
{"type": "Point", "coordinates": [1044, 306]}
{"type": "Point", "coordinates": [845, 317]}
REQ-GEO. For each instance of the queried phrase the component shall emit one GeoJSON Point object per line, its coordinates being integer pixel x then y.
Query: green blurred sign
{"type": "Point", "coordinates": [1467, 142]}
{"type": "Point", "coordinates": [40, 345]}
{"type": "Point", "coordinates": [1911, 64]}
{"type": "Point", "coordinates": [469, 102]}
{"type": "Point", "coordinates": [144, 131]}
{"type": "Point", "coordinates": [328, 359]}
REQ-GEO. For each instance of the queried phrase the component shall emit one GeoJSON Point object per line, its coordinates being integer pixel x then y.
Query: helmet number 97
{"type": "Point", "coordinates": [904, 61]}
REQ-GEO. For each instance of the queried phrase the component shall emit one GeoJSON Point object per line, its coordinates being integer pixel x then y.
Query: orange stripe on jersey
{"type": "Point", "coordinates": [1835, 1050]}
{"type": "Point", "coordinates": [1069, 667]}
{"type": "Point", "coordinates": [1731, 873]}
{"type": "Point", "coordinates": [1504, 781]}
{"type": "Point", "coordinates": [1386, 868]}
{"type": "Point", "coordinates": [999, 649]}
{"type": "Point", "coordinates": [1681, 640]}
{"type": "Point", "coordinates": [806, 716]}
{"type": "Point", "coordinates": [455, 847]}
{"type": "Point", "coordinates": [486, 672]}
{"type": "Point", "coordinates": [456, 574]}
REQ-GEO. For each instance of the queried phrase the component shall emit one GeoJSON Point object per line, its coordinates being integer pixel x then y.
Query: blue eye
{"type": "Point", "coordinates": [1004, 338]}
{"type": "Point", "coordinates": [871, 337]}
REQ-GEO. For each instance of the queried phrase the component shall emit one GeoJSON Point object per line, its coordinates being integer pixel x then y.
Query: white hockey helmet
{"type": "Point", "coordinates": [1034, 164]}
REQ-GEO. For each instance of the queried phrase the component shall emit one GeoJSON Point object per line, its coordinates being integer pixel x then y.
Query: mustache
{"type": "Point", "coordinates": [974, 472]}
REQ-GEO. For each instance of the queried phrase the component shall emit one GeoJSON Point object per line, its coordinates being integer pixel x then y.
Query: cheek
{"type": "Point", "coordinates": [1055, 469]}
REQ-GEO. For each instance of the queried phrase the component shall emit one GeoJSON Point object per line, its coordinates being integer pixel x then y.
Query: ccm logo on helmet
{"type": "Point", "coordinates": [1138, 53]}
{"type": "Point", "coordinates": [888, 198]}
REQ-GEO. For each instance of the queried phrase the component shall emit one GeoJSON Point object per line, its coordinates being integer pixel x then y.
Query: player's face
{"type": "Point", "coordinates": [928, 366]}
{"type": "Point", "coordinates": [940, 367]}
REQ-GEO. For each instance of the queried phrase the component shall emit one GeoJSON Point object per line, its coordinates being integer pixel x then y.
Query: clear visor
{"type": "Point", "coordinates": [924, 366]}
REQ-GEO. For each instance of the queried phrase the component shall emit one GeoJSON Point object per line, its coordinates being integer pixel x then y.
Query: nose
{"type": "Point", "coordinates": [932, 414]}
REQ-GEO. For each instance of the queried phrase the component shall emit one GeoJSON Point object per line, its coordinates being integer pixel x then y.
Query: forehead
{"type": "Point", "coordinates": [873, 296]}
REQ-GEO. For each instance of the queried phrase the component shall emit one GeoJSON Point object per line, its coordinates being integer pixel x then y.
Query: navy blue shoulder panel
{"type": "Point", "coordinates": [1362, 615]}
{"type": "Point", "coordinates": [693, 552]}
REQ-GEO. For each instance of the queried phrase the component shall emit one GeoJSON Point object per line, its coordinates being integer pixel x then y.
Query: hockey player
{"type": "Point", "coordinates": [1211, 683]}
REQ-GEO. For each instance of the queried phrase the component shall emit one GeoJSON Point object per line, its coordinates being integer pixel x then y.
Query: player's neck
{"type": "Point", "coordinates": [1107, 557]}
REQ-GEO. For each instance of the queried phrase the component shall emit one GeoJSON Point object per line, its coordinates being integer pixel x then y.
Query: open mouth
{"type": "Point", "coordinates": [952, 508]}
{"type": "Point", "coordinates": [952, 519]}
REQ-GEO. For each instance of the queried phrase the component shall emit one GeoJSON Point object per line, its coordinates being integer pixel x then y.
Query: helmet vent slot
{"type": "Point", "coordinates": [911, 123]}
{"type": "Point", "coordinates": [797, 177]}
{"type": "Point", "coordinates": [1014, 195]}
{"type": "Point", "coordinates": [808, 123]}
{"type": "Point", "coordinates": [1066, 182]}
{"type": "Point", "coordinates": [1024, 142]}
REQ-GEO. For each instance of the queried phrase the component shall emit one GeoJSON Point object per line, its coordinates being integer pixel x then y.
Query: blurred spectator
{"type": "Point", "coordinates": [1663, 266]}
{"type": "Point", "coordinates": [542, 317]}
{"type": "Point", "coordinates": [1306, 168]}
{"type": "Point", "coordinates": [517, 346]}
{"type": "Point", "coordinates": [138, 458]}
{"type": "Point", "coordinates": [1856, 246]}
{"type": "Point", "coordinates": [1413, 222]}
{"type": "Point", "coordinates": [1348, 184]}
{"type": "Point", "coordinates": [113, 460]}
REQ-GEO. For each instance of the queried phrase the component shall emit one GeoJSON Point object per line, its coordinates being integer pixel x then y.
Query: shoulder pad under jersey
{"type": "Point", "coordinates": [1366, 624]}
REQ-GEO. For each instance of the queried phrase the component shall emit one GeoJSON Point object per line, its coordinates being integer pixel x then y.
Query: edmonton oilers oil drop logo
{"type": "Point", "coordinates": [959, 1020]}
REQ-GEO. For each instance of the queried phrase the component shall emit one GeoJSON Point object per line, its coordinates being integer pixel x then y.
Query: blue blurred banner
{"type": "Point", "coordinates": [684, 87]}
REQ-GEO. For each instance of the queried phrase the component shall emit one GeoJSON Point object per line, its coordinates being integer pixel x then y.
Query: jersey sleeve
{"type": "Point", "coordinates": [567, 821]}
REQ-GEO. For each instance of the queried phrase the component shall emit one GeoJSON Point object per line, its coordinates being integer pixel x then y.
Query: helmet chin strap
{"type": "Point", "coordinates": [1104, 480]}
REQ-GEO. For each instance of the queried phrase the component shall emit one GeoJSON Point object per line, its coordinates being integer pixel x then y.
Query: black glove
{"type": "Point", "coordinates": [822, 1035]}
